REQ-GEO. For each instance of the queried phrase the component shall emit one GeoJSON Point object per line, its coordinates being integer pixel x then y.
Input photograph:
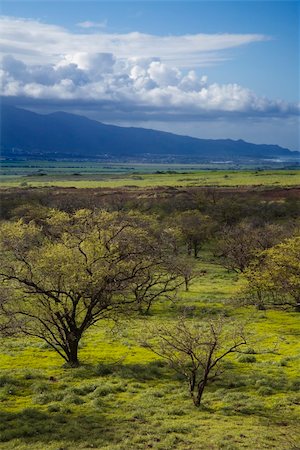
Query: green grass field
{"type": "Point", "coordinates": [92, 175]}
{"type": "Point", "coordinates": [124, 397]}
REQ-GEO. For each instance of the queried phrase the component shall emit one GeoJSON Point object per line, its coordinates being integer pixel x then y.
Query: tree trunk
{"type": "Point", "coordinates": [196, 249]}
{"type": "Point", "coordinates": [186, 283]}
{"type": "Point", "coordinates": [73, 342]}
{"type": "Point", "coordinates": [148, 307]}
{"type": "Point", "coordinates": [260, 307]}
{"type": "Point", "coordinates": [197, 399]}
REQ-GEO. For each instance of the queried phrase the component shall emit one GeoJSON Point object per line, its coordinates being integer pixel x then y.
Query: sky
{"type": "Point", "coordinates": [209, 69]}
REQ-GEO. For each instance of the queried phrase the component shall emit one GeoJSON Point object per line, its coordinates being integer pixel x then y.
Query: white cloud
{"type": "Point", "coordinates": [130, 74]}
{"type": "Point", "coordinates": [93, 63]}
{"type": "Point", "coordinates": [163, 75]}
{"type": "Point", "coordinates": [145, 85]}
{"type": "Point", "coordinates": [90, 24]}
{"type": "Point", "coordinates": [36, 42]}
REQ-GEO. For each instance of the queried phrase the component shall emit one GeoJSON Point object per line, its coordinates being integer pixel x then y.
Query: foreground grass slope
{"type": "Point", "coordinates": [124, 397]}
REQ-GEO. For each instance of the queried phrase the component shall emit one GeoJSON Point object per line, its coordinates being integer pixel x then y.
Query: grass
{"type": "Point", "coordinates": [125, 397]}
{"type": "Point", "coordinates": [92, 175]}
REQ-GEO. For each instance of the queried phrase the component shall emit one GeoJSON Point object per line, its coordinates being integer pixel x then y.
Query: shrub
{"type": "Point", "coordinates": [40, 388]}
{"type": "Point", "coordinates": [83, 390]}
{"type": "Point", "coordinates": [247, 359]}
{"type": "Point", "coordinates": [5, 380]}
{"type": "Point", "coordinates": [103, 370]}
{"type": "Point", "coordinates": [54, 408]}
{"type": "Point", "coordinates": [265, 390]}
{"type": "Point", "coordinates": [295, 385]}
{"type": "Point", "coordinates": [73, 399]}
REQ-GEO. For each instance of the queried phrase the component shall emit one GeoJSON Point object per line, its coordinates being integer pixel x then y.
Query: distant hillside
{"type": "Point", "coordinates": [61, 135]}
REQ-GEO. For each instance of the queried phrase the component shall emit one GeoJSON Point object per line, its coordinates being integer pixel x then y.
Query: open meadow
{"type": "Point", "coordinates": [93, 175]}
{"type": "Point", "coordinates": [122, 395]}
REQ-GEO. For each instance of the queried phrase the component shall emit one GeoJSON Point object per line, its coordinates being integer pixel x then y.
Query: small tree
{"type": "Point", "coordinates": [237, 245]}
{"type": "Point", "coordinates": [185, 267]}
{"type": "Point", "coordinates": [152, 285]}
{"type": "Point", "coordinates": [196, 350]}
{"type": "Point", "coordinates": [196, 228]}
{"type": "Point", "coordinates": [274, 278]}
{"type": "Point", "coordinates": [73, 270]}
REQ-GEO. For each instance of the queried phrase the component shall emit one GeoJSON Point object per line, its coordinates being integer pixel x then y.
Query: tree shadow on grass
{"type": "Point", "coordinates": [154, 370]}
{"type": "Point", "coordinates": [138, 372]}
{"type": "Point", "coordinates": [34, 425]}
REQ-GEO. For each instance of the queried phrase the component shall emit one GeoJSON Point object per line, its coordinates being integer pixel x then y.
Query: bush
{"type": "Point", "coordinates": [295, 385]}
{"type": "Point", "coordinates": [9, 389]}
{"type": "Point", "coordinates": [5, 380]}
{"type": "Point", "coordinates": [106, 389]}
{"type": "Point", "coordinates": [40, 388]}
{"type": "Point", "coordinates": [73, 399]}
{"type": "Point", "coordinates": [103, 370]}
{"type": "Point", "coordinates": [265, 390]}
{"type": "Point", "coordinates": [31, 375]}
{"type": "Point", "coordinates": [33, 414]}
{"type": "Point", "coordinates": [83, 390]}
{"type": "Point", "coordinates": [247, 359]}
{"type": "Point", "coordinates": [54, 408]}
{"type": "Point", "coordinates": [48, 397]}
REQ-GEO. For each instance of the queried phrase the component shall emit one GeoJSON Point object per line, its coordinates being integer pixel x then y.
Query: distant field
{"type": "Point", "coordinates": [92, 175]}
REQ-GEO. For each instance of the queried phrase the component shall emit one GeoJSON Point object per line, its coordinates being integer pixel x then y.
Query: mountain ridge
{"type": "Point", "coordinates": [64, 135]}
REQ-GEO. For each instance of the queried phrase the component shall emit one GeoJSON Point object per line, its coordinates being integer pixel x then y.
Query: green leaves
{"type": "Point", "coordinates": [274, 278]}
{"type": "Point", "coordinates": [72, 270]}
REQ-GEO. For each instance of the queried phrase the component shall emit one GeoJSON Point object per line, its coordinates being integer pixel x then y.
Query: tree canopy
{"type": "Point", "coordinates": [196, 350]}
{"type": "Point", "coordinates": [70, 271]}
{"type": "Point", "coordinates": [274, 278]}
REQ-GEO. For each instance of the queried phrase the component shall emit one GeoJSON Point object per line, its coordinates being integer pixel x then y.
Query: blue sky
{"type": "Point", "coordinates": [213, 69]}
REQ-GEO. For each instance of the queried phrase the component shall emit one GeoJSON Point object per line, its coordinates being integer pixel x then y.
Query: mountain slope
{"type": "Point", "coordinates": [63, 135]}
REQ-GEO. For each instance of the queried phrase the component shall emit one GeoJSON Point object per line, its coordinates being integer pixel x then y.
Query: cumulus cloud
{"type": "Point", "coordinates": [126, 73]}
{"type": "Point", "coordinates": [144, 84]}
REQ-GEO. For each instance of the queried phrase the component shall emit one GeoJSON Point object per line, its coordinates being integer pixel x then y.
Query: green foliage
{"type": "Point", "coordinates": [195, 229]}
{"type": "Point", "coordinates": [238, 244]}
{"type": "Point", "coordinates": [123, 396]}
{"type": "Point", "coordinates": [73, 270]}
{"type": "Point", "coordinates": [274, 278]}
{"type": "Point", "coordinates": [247, 359]}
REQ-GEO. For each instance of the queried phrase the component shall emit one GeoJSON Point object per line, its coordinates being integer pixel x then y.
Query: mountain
{"type": "Point", "coordinates": [62, 135]}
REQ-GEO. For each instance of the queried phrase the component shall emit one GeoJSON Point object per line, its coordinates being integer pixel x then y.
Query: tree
{"type": "Point", "coordinates": [196, 350]}
{"type": "Point", "coordinates": [274, 278]}
{"type": "Point", "coordinates": [7, 322]}
{"type": "Point", "coordinates": [237, 245]}
{"type": "Point", "coordinates": [74, 270]}
{"type": "Point", "coordinates": [185, 267]}
{"type": "Point", "coordinates": [195, 228]}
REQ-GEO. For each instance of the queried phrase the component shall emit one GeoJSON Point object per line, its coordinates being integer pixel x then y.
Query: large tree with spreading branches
{"type": "Point", "coordinates": [72, 270]}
